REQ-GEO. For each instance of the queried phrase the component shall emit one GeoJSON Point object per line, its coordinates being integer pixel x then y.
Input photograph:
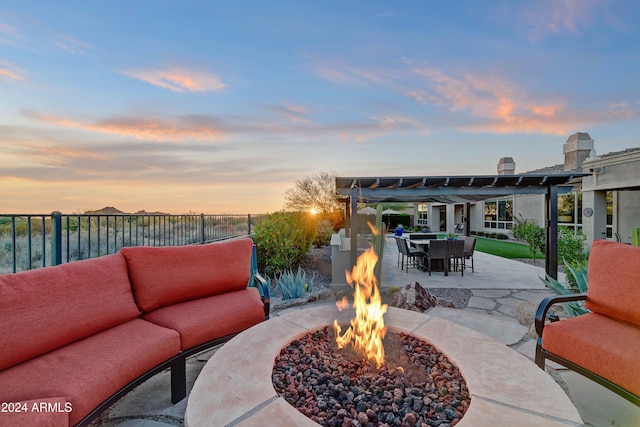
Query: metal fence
{"type": "Point", "coordinates": [30, 241]}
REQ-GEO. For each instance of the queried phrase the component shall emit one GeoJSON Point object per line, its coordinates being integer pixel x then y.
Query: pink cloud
{"type": "Point", "coordinates": [179, 79]}
{"type": "Point", "coordinates": [501, 105]}
{"type": "Point", "coordinates": [546, 17]}
{"type": "Point", "coordinates": [341, 72]}
{"type": "Point", "coordinates": [10, 72]}
{"type": "Point", "coordinates": [158, 129]}
{"type": "Point", "coordinates": [73, 46]}
{"type": "Point", "coordinates": [292, 112]}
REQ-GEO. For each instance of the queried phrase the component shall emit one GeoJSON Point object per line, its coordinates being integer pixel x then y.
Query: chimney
{"type": "Point", "coordinates": [576, 150]}
{"type": "Point", "coordinates": [506, 166]}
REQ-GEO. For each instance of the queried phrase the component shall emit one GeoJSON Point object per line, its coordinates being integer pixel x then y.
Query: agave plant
{"type": "Point", "coordinates": [293, 285]}
{"type": "Point", "coordinates": [579, 272]}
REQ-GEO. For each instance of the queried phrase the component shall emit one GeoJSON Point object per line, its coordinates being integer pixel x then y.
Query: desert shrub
{"type": "Point", "coordinates": [282, 240]}
{"type": "Point", "coordinates": [531, 233]}
{"type": "Point", "coordinates": [291, 285]}
{"type": "Point", "coordinates": [571, 246]}
{"type": "Point", "coordinates": [324, 230]}
{"type": "Point", "coordinates": [571, 253]}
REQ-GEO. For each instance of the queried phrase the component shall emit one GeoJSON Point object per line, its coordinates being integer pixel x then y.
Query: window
{"type": "Point", "coordinates": [423, 210]}
{"type": "Point", "coordinates": [570, 211]}
{"type": "Point", "coordinates": [498, 213]}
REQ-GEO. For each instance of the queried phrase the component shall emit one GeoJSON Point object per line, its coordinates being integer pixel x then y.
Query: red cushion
{"type": "Point", "coordinates": [213, 317]}
{"type": "Point", "coordinates": [161, 276]}
{"type": "Point", "coordinates": [614, 280]}
{"type": "Point", "coordinates": [89, 371]}
{"type": "Point", "coordinates": [602, 345]}
{"type": "Point", "coordinates": [48, 308]}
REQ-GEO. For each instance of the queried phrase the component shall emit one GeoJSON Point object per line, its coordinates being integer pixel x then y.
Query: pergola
{"type": "Point", "coordinates": [459, 189]}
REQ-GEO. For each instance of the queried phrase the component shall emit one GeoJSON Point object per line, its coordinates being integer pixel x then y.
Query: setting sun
{"type": "Point", "coordinates": [313, 211]}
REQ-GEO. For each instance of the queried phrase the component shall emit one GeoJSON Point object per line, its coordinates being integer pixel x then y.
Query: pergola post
{"type": "Point", "coordinates": [354, 226]}
{"type": "Point", "coordinates": [551, 246]}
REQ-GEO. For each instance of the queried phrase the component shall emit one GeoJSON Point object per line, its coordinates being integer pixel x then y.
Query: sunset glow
{"type": "Point", "coordinates": [220, 107]}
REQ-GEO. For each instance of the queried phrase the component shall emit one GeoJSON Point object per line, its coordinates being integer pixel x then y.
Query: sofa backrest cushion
{"type": "Point", "coordinates": [614, 280]}
{"type": "Point", "coordinates": [47, 308]}
{"type": "Point", "coordinates": [161, 276]}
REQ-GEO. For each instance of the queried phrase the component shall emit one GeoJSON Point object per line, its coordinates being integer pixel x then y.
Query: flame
{"type": "Point", "coordinates": [367, 329]}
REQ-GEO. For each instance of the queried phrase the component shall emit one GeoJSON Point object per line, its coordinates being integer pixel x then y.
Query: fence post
{"type": "Point", "coordinates": [249, 224]}
{"type": "Point", "coordinates": [202, 236]}
{"type": "Point", "coordinates": [56, 238]}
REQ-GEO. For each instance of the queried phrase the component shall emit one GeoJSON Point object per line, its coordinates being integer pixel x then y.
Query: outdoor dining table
{"type": "Point", "coordinates": [423, 244]}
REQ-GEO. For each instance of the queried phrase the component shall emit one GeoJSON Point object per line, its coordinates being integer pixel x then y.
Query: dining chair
{"type": "Point", "coordinates": [455, 255]}
{"type": "Point", "coordinates": [400, 251]}
{"type": "Point", "coordinates": [469, 248]}
{"type": "Point", "coordinates": [411, 255]}
{"type": "Point", "coordinates": [437, 251]}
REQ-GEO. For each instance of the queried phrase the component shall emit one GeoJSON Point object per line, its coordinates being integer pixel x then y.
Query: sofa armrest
{"type": "Point", "coordinates": [263, 287]}
{"type": "Point", "coordinates": [548, 302]}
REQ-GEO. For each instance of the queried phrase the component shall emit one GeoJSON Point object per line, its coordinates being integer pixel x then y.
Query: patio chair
{"type": "Point", "coordinates": [469, 248]}
{"type": "Point", "coordinates": [437, 251]}
{"type": "Point", "coordinates": [455, 255]}
{"type": "Point", "coordinates": [411, 255]}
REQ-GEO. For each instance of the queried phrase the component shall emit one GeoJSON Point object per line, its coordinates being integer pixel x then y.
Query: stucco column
{"type": "Point", "coordinates": [594, 215]}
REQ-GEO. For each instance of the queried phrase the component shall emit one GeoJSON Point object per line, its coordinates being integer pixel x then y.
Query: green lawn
{"type": "Point", "coordinates": [504, 249]}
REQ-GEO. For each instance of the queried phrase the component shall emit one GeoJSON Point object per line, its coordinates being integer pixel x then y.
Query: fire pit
{"type": "Point", "coordinates": [235, 386]}
{"type": "Point", "coordinates": [347, 380]}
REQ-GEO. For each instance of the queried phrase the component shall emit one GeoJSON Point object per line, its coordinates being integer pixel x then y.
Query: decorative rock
{"type": "Point", "coordinates": [414, 297]}
{"type": "Point", "coordinates": [430, 392]}
{"type": "Point", "coordinates": [525, 312]}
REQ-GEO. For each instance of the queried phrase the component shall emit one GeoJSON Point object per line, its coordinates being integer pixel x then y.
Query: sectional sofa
{"type": "Point", "coordinates": [76, 337]}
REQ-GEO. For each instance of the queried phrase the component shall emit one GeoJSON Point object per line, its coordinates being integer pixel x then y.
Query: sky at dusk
{"type": "Point", "coordinates": [219, 107]}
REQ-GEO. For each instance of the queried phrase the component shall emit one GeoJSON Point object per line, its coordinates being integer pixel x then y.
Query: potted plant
{"type": "Point", "coordinates": [399, 229]}
{"type": "Point", "coordinates": [452, 236]}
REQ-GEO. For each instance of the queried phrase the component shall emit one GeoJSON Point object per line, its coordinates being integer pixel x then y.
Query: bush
{"type": "Point", "coordinates": [571, 253]}
{"type": "Point", "coordinates": [282, 241]}
{"type": "Point", "coordinates": [324, 230]}
{"type": "Point", "coordinates": [571, 246]}
{"type": "Point", "coordinates": [531, 233]}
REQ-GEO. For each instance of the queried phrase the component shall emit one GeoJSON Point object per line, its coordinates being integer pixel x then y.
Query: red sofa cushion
{"type": "Point", "coordinates": [614, 280]}
{"type": "Point", "coordinates": [47, 308]}
{"type": "Point", "coordinates": [602, 345]}
{"type": "Point", "coordinates": [161, 276]}
{"type": "Point", "coordinates": [209, 318]}
{"type": "Point", "coordinates": [89, 371]}
{"type": "Point", "coordinates": [49, 412]}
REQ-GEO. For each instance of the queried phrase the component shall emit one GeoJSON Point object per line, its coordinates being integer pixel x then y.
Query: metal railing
{"type": "Point", "coordinates": [30, 241]}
